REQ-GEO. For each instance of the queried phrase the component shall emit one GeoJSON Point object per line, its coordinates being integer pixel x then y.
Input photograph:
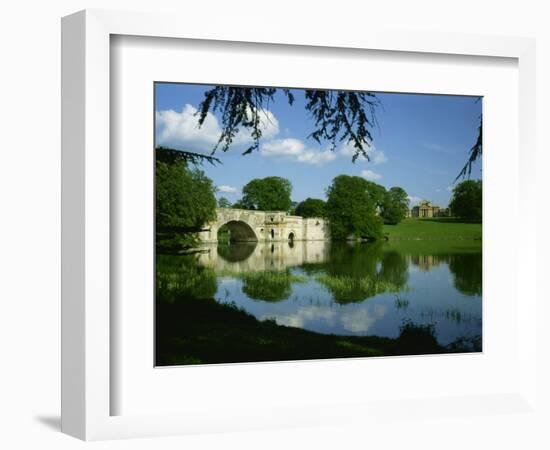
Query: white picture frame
{"type": "Point", "coordinates": [86, 220]}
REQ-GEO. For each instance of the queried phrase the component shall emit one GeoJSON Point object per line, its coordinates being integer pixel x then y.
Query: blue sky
{"type": "Point", "coordinates": [421, 144]}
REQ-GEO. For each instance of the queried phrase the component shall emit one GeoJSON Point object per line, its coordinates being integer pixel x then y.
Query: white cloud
{"type": "Point", "coordinates": [433, 146]}
{"type": "Point", "coordinates": [268, 124]}
{"type": "Point", "coordinates": [450, 188]}
{"type": "Point", "coordinates": [181, 129]}
{"type": "Point", "coordinates": [295, 149]}
{"type": "Point", "coordinates": [370, 175]}
{"type": "Point", "coordinates": [413, 199]}
{"type": "Point", "coordinates": [283, 147]}
{"type": "Point", "coordinates": [444, 149]}
{"type": "Point", "coordinates": [376, 156]}
{"type": "Point", "coordinates": [316, 156]}
{"type": "Point", "coordinates": [227, 189]}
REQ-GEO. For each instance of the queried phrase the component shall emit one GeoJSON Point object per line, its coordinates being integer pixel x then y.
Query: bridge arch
{"type": "Point", "coordinates": [240, 231]}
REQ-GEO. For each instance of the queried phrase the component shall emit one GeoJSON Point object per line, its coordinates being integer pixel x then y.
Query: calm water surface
{"type": "Point", "coordinates": [352, 289]}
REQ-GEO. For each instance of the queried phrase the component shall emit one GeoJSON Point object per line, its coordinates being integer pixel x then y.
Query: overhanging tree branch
{"type": "Point", "coordinates": [170, 155]}
{"type": "Point", "coordinates": [475, 153]}
{"type": "Point", "coordinates": [338, 115]}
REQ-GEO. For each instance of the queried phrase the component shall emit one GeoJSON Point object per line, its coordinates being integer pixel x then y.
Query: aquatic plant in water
{"type": "Point", "coordinates": [347, 289]}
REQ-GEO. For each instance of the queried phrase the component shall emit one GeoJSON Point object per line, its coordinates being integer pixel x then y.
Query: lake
{"type": "Point", "coordinates": [340, 288]}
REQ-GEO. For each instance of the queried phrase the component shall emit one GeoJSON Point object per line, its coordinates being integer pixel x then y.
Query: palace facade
{"type": "Point", "coordinates": [427, 209]}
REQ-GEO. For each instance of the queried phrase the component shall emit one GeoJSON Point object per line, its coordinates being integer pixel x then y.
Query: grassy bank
{"type": "Point", "coordinates": [199, 331]}
{"type": "Point", "coordinates": [433, 229]}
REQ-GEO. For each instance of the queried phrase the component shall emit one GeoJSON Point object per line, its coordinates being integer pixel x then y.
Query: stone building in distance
{"type": "Point", "coordinates": [426, 209]}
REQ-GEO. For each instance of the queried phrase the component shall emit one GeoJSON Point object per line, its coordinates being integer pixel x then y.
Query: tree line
{"type": "Point", "coordinates": [354, 206]}
{"type": "Point", "coordinates": [186, 201]}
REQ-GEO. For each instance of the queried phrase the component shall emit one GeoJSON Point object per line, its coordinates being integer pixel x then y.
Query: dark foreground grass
{"type": "Point", "coordinates": [433, 229]}
{"type": "Point", "coordinates": [203, 331]}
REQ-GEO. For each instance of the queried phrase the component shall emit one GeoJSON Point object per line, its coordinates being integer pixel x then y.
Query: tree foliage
{"type": "Point", "coordinates": [351, 210]}
{"type": "Point", "coordinates": [171, 155]}
{"type": "Point", "coordinates": [267, 194]}
{"type": "Point", "coordinates": [475, 151]}
{"type": "Point", "coordinates": [377, 193]}
{"type": "Point", "coordinates": [396, 205]}
{"type": "Point", "coordinates": [466, 202]}
{"type": "Point", "coordinates": [185, 202]}
{"type": "Point", "coordinates": [224, 203]}
{"type": "Point", "coordinates": [338, 115]}
{"type": "Point", "coordinates": [239, 204]}
{"type": "Point", "coordinates": [311, 207]}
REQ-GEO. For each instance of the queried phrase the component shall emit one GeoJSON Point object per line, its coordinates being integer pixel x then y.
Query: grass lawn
{"type": "Point", "coordinates": [433, 229]}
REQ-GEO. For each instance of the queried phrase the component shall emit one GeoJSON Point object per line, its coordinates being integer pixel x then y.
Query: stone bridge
{"type": "Point", "coordinates": [264, 226]}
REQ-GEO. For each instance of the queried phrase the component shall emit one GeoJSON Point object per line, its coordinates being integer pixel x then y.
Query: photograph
{"type": "Point", "coordinates": [304, 224]}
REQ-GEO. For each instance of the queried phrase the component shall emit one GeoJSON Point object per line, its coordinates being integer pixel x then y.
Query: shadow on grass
{"type": "Point", "coordinates": [203, 331]}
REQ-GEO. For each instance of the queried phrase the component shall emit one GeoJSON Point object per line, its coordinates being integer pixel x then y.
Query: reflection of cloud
{"type": "Point", "coordinates": [353, 320]}
{"type": "Point", "coordinates": [303, 315]}
{"type": "Point", "coordinates": [360, 321]}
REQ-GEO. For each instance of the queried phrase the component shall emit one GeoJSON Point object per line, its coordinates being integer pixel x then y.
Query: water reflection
{"type": "Point", "coordinates": [340, 288]}
{"type": "Point", "coordinates": [181, 276]}
{"type": "Point", "coordinates": [466, 268]}
{"type": "Point", "coordinates": [259, 257]}
{"type": "Point", "coordinates": [467, 272]}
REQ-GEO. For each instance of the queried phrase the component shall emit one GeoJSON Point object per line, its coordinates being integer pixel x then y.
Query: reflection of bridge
{"type": "Point", "coordinates": [253, 226]}
{"type": "Point", "coordinates": [258, 257]}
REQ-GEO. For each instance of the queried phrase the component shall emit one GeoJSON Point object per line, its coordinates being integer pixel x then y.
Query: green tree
{"type": "Point", "coordinates": [311, 207]}
{"type": "Point", "coordinates": [185, 201]}
{"type": "Point", "coordinates": [377, 193]}
{"type": "Point", "coordinates": [239, 204]}
{"type": "Point", "coordinates": [351, 210]}
{"type": "Point", "coordinates": [467, 200]}
{"type": "Point", "coordinates": [267, 194]}
{"type": "Point", "coordinates": [293, 205]}
{"type": "Point", "coordinates": [224, 203]}
{"type": "Point", "coordinates": [396, 205]}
